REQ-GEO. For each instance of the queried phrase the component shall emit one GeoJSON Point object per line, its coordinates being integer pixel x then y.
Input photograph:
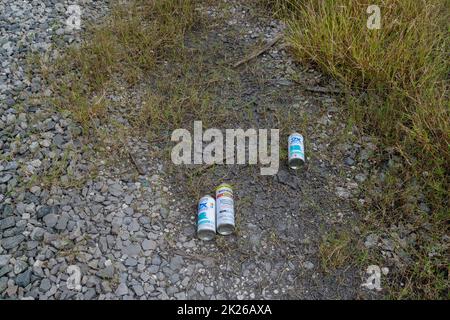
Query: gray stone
{"type": "Point", "coordinates": [58, 140]}
{"type": "Point", "coordinates": [122, 289]}
{"type": "Point", "coordinates": [180, 296]}
{"type": "Point", "coordinates": [3, 284]}
{"type": "Point", "coordinates": [134, 226]}
{"type": "Point", "coordinates": [20, 266]}
{"type": "Point", "coordinates": [132, 250]}
{"type": "Point", "coordinates": [199, 286]}
{"type": "Point", "coordinates": [127, 221]}
{"type": "Point", "coordinates": [4, 259]}
{"type": "Point", "coordinates": [62, 221]}
{"type": "Point", "coordinates": [128, 211]}
{"type": "Point", "coordinates": [371, 241]}
{"type": "Point", "coordinates": [209, 290]}
{"type": "Point", "coordinates": [105, 285]}
{"type": "Point", "coordinates": [387, 245]}
{"type": "Point", "coordinates": [35, 190]}
{"type": "Point", "coordinates": [342, 192]}
{"type": "Point", "coordinates": [7, 223]}
{"type": "Point", "coordinates": [176, 262]}
{"type": "Point", "coordinates": [174, 278]}
{"type": "Point", "coordinates": [284, 177]}
{"type": "Point", "coordinates": [12, 242]}
{"type": "Point", "coordinates": [148, 245]}
{"type": "Point", "coordinates": [156, 260]}
{"type": "Point", "coordinates": [130, 262]}
{"type": "Point", "coordinates": [24, 279]}
{"type": "Point", "coordinates": [164, 212]}
{"type": "Point", "coordinates": [116, 224]}
{"type": "Point", "coordinates": [37, 234]}
{"type": "Point", "coordinates": [308, 265]}
{"type": "Point", "coordinates": [171, 290]}
{"type": "Point", "coordinates": [32, 245]}
{"type": "Point", "coordinates": [45, 143]}
{"type": "Point", "coordinates": [138, 290]}
{"type": "Point", "coordinates": [424, 207]}
{"type": "Point", "coordinates": [45, 210]}
{"type": "Point", "coordinates": [7, 210]}
{"type": "Point", "coordinates": [153, 269]}
{"type": "Point", "coordinates": [144, 220]}
{"type": "Point", "coordinates": [45, 285]}
{"type": "Point", "coordinates": [106, 273]}
{"type": "Point", "coordinates": [349, 161]}
{"type": "Point", "coordinates": [185, 281]}
{"type": "Point", "coordinates": [360, 177]}
{"type": "Point", "coordinates": [50, 220]}
{"type": "Point", "coordinates": [5, 270]}
{"type": "Point", "coordinates": [90, 294]}
{"type": "Point", "coordinates": [115, 189]}
{"type": "Point", "coordinates": [5, 178]}
{"type": "Point", "coordinates": [103, 244]}
{"type": "Point", "coordinates": [145, 276]}
{"type": "Point", "coordinates": [34, 146]}
{"type": "Point", "coordinates": [128, 199]}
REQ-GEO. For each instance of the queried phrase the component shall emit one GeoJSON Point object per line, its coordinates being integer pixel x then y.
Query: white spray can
{"type": "Point", "coordinates": [225, 209]}
{"type": "Point", "coordinates": [206, 218]}
{"type": "Point", "coordinates": [296, 151]}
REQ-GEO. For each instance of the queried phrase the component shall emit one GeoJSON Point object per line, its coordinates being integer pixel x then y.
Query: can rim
{"type": "Point", "coordinates": [224, 185]}
{"type": "Point", "coordinates": [206, 196]}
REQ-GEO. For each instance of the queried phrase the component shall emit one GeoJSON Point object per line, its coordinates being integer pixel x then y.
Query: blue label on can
{"type": "Point", "coordinates": [296, 149]}
{"type": "Point", "coordinates": [206, 219]}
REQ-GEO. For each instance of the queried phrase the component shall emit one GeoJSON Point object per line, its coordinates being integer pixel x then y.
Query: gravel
{"type": "Point", "coordinates": [148, 245]}
{"type": "Point", "coordinates": [3, 284]}
{"type": "Point", "coordinates": [133, 236]}
{"type": "Point", "coordinates": [12, 242]}
{"type": "Point", "coordinates": [122, 289]}
{"type": "Point", "coordinates": [45, 285]}
{"type": "Point", "coordinates": [4, 259]}
{"type": "Point", "coordinates": [5, 270]}
{"type": "Point", "coordinates": [24, 279]}
{"type": "Point", "coordinates": [50, 220]}
{"type": "Point", "coordinates": [371, 241]}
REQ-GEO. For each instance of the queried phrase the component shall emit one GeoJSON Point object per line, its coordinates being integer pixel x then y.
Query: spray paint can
{"type": "Point", "coordinates": [206, 218]}
{"type": "Point", "coordinates": [225, 209]}
{"type": "Point", "coordinates": [296, 151]}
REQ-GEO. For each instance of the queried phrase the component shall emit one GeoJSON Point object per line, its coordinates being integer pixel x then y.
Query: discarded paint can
{"type": "Point", "coordinates": [296, 151]}
{"type": "Point", "coordinates": [206, 218]}
{"type": "Point", "coordinates": [225, 209]}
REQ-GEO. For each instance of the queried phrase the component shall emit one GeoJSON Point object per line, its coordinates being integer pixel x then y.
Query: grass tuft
{"type": "Point", "coordinates": [131, 42]}
{"type": "Point", "coordinates": [397, 79]}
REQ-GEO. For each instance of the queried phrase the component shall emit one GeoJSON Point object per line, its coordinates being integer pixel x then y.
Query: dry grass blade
{"type": "Point", "coordinates": [258, 52]}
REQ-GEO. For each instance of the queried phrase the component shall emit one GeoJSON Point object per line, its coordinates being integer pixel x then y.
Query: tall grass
{"type": "Point", "coordinates": [135, 37]}
{"type": "Point", "coordinates": [397, 77]}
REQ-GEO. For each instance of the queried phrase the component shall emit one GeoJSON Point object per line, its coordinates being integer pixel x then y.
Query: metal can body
{"type": "Point", "coordinates": [296, 150]}
{"type": "Point", "coordinates": [206, 218]}
{"type": "Point", "coordinates": [225, 209]}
